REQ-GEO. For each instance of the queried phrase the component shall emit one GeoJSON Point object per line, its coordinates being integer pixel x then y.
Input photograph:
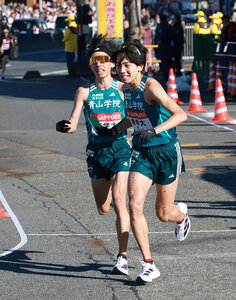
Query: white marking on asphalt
{"type": "Point", "coordinates": [42, 74]}
{"type": "Point", "coordinates": [113, 233]}
{"type": "Point", "coordinates": [18, 227]}
{"type": "Point", "coordinates": [54, 72]}
{"type": "Point", "coordinates": [209, 114]}
{"type": "Point", "coordinates": [213, 124]}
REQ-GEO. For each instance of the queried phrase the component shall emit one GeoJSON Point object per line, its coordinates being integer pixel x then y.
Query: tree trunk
{"type": "Point", "coordinates": [134, 7]}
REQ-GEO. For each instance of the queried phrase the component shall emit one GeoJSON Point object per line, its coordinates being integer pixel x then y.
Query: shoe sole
{"type": "Point", "coordinates": [187, 232]}
{"type": "Point", "coordinates": [116, 271]}
{"type": "Point", "coordinates": [140, 281]}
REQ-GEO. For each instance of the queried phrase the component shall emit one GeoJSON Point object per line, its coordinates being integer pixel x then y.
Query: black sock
{"type": "Point", "coordinates": [122, 255]}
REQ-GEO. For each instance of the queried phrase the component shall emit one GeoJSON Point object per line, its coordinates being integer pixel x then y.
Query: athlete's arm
{"type": "Point", "coordinates": [70, 126]}
{"type": "Point", "coordinates": [154, 94]}
{"type": "Point", "coordinates": [125, 123]}
{"type": "Point", "coordinates": [80, 99]}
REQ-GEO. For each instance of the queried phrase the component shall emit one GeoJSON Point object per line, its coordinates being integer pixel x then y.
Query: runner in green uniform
{"type": "Point", "coordinates": [108, 155]}
{"type": "Point", "coordinates": [156, 154]}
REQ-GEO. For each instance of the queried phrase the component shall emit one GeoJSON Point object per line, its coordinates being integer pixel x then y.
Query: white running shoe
{"type": "Point", "coordinates": [121, 266]}
{"type": "Point", "coordinates": [148, 273]}
{"type": "Point", "coordinates": [182, 229]}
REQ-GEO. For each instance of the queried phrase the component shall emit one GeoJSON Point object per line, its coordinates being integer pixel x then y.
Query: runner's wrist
{"type": "Point", "coordinates": [115, 130]}
{"type": "Point", "coordinates": [156, 130]}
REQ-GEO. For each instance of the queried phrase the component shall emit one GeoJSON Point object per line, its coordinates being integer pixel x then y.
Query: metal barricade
{"type": "Point", "coordinates": [188, 42]}
{"type": "Point", "coordinates": [152, 61]}
{"type": "Point", "coordinates": [225, 53]}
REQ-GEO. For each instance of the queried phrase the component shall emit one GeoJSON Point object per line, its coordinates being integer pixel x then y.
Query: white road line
{"type": "Point", "coordinates": [213, 124]}
{"type": "Point", "coordinates": [42, 74]}
{"type": "Point", "coordinates": [113, 233]}
{"type": "Point", "coordinates": [54, 72]}
{"type": "Point", "coordinates": [18, 227]}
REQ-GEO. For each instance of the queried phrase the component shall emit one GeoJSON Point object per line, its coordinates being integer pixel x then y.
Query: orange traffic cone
{"type": "Point", "coordinates": [221, 112]}
{"type": "Point", "coordinates": [212, 76]}
{"type": "Point", "coordinates": [230, 77]}
{"type": "Point", "coordinates": [172, 89]}
{"type": "Point", "coordinates": [150, 73]}
{"type": "Point", "coordinates": [195, 102]}
{"type": "Point", "coordinates": [3, 214]}
{"type": "Point", "coordinates": [219, 73]}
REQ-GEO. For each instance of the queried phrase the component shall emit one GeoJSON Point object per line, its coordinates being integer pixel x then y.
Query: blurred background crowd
{"type": "Point", "coordinates": [169, 27]}
{"type": "Point", "coordinates": [50, 10]}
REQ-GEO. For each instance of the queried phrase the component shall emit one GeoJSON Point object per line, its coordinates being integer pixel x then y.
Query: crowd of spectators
{"type": "Point", "coordinates": [49, 12]}
{"type": "Point", "coordinates": [51, 9]}
{"type": "Point", "coordinates": [166, 28]}
{"type": "Point", "coordinates": [158, 26]}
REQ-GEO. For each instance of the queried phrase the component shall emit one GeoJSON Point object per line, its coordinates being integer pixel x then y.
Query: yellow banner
{"type": "Point", "coordinates": [110, 19]}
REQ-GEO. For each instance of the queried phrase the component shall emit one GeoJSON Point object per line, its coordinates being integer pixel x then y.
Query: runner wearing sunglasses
{"type": "Point", "coordinates": [156, 153]}
{"type": "Point", "coordinates": [108, 153]}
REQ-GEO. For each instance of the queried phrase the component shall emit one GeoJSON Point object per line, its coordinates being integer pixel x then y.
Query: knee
{"type": "Point", "coordinates": [119, 201]}
{"type": "Point", "coordinates": [135, 207]}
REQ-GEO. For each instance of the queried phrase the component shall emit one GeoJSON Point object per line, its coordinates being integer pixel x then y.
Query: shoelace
{"type": "Point", "coordinates": [146, 267]}
{"type": "Point", "coordinates": [121, 261]}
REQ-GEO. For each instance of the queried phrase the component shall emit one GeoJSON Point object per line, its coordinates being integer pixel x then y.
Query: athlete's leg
{"type": "Point", "coordinates": [119, 191]}
{"type": "Point", "coordinates": [102, 194]}
{"type": "Point", "coordinates": [4, 63]}
{"type": "Point", "coordinates": [138, 188]}
{"type": "Point", "coordinates": [166, 210]}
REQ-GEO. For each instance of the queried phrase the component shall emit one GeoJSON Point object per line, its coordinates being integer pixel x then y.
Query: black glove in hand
{"type": "Point", "coordinates": [144, 135]}
{"type": "Point", "coordinates": [62, 126]}
{"type": "Point", "coordinates": [104, 131]}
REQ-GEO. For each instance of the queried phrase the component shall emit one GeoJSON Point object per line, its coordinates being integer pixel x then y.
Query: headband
{"type": "Point", "coordinates": [103, 49]}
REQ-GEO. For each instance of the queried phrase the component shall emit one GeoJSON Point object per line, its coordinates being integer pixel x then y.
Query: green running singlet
{"type": "Point", "coordinates": [108, 108]}
{"type": "Point", "coordinates": [144, 116]}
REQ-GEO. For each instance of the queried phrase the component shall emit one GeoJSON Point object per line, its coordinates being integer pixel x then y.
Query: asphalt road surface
{"type": "Point", "coordinates": [54, 245]}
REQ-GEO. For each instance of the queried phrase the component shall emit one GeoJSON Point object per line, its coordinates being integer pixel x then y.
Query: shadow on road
{"type": "Point", "coordinates": [59, 87]}
{"type": "Point", "coordinates": [19, 262]}
{"type": "Point", "coordinates": [223, 176]}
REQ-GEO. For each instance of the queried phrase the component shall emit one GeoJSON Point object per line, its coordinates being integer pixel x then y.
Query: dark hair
{"type": "Point", "coordinates": [177, 17]}
{"type": "Point", "coordinates": [225, 17]}
{"type": "Point", "coordinates": [4, 28]}
{"type": "Point", "coordinates": [101, 43]}
{"type": "Point", "coordinates": [137, 57]}
{"type": "Point", "coordinates": [145, 20]}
